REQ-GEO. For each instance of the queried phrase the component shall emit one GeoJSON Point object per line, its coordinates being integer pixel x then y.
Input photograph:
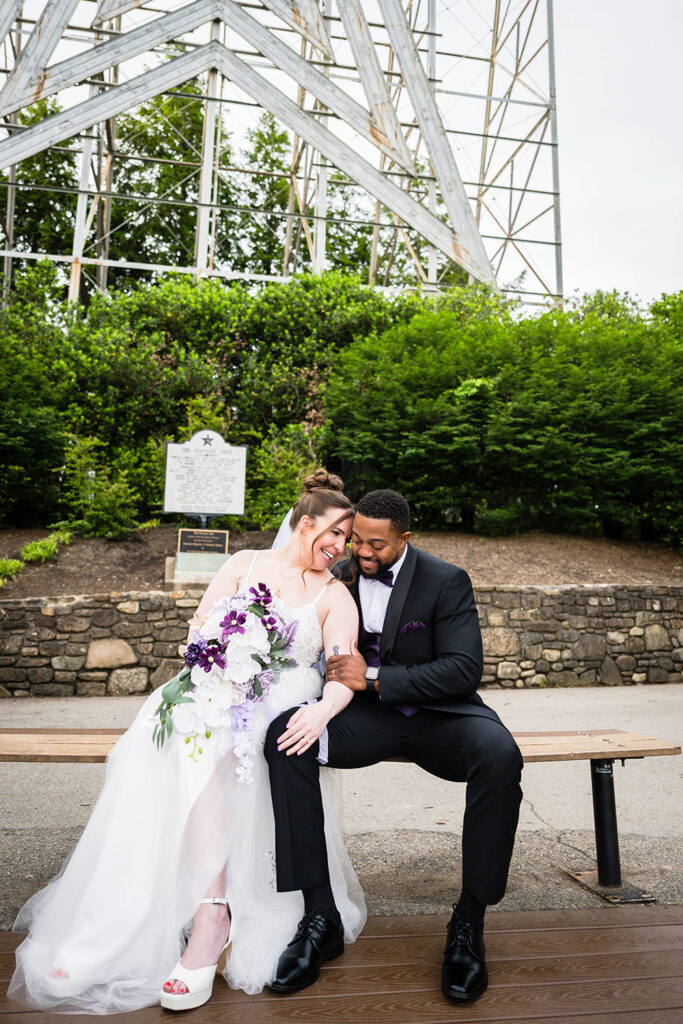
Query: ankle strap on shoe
{"type": "Point", "coordinates": [216, 899]}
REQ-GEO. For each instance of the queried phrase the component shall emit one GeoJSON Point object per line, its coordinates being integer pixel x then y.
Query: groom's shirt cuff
{"type": "Point", "coordinates": [323, 747]}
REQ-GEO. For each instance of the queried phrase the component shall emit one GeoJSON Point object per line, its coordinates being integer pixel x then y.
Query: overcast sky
{"type": "Point", "coordinates": [620, 124]}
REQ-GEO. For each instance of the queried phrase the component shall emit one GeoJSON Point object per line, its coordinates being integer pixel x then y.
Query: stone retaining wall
{"type": "Point", "coordinates": [533, 636]}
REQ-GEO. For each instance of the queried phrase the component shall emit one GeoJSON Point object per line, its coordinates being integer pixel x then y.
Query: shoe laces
{"type": "Point", "coordinates": [305, 923]}
{"type": "Point", "coordinates": [460, 932]}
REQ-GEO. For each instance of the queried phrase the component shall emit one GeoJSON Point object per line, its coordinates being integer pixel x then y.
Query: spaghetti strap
{"type": "Point", "coordinates": [322, 591]}
{"type": "Point", "coordinates": [251, 566]}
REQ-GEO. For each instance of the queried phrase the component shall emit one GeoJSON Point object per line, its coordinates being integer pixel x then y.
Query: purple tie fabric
{"type": "Point", "coordinates": [387, 578]}
{"type": "Point", "coordinates": [368, 645]}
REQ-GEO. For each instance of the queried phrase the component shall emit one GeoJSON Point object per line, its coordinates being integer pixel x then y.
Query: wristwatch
{"type": "Point", "coordinates": [371, 674]}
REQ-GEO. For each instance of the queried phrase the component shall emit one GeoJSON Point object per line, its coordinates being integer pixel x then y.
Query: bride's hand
{"type": "Point", "coordinates": [304, 728]}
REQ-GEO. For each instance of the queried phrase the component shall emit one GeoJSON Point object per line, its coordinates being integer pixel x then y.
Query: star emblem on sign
{"type": "Point", "coordinates": [207, 440]}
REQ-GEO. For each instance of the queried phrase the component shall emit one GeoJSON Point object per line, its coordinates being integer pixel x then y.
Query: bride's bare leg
{"type": "Point", "coordinates": [210, 932]}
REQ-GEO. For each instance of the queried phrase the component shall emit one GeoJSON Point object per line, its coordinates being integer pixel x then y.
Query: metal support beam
{"type": "Point", "coordinates": [8, 13]}
{"type": "Point", "coordinates": [81, 223]}
{"type": "Point", "coordinates": [374, 82]}
{"type": "Point", "coordinates": [340, 154]}
{"type": "Point", "coordinates": [33, 58]}
{"type": "Point", "coordinates": [304, 17]}
{"type": "Point", "coordinates": [559, 286]}
{"type": "Point", "coordinates": [201, 253]}
{"type": "Point", "coordinates": [470, 249]}
{"type": "Point", "coordinates": [107, 10]}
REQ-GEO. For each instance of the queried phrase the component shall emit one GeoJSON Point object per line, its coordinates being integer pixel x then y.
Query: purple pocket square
{"type": "Point", "coordinates": [411, 626]}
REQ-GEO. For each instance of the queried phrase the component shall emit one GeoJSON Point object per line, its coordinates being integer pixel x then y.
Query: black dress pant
{"type": "Point", "coordinates": [458, 747]}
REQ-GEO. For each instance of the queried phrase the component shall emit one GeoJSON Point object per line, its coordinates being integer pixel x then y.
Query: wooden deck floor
{"type": "Point", "coordinates": [612, 965]}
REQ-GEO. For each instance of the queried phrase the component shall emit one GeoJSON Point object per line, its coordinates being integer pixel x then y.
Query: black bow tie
{"type": "Point", "coordinates": [386, 577]}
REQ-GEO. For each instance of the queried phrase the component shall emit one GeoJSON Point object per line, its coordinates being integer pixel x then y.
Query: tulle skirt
{"type": "Point", "coordinates": [118, 915]}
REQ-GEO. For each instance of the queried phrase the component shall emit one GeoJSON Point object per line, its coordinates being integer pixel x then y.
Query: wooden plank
{"type": "Point", "coordinates": [93, 745]}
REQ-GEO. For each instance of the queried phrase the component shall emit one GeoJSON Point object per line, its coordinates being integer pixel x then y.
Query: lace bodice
{"type": "Point", "coordinates": [308, 639]}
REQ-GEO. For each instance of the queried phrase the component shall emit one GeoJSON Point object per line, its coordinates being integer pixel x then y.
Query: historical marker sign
{"type": "Point", "coordinates": [212, 541]}
{"type": "Point", "coordinates": [205, 476]}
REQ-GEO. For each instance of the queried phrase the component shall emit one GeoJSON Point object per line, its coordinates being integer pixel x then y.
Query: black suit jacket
{"type": "Point", "coordinates": [437, 662]}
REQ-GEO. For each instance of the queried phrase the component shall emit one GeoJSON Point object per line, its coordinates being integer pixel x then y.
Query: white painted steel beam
{"type": "Point", "coordinates": [265, 41]}
{"type": "Point", "coordinates": [108, 9]}
{"type": "Point", "coordinates": [471, 252]}
{"type": "Point", "coordinates": [340, 154]}
{"type": "Point", "coordinates": [304, 17]}
{"type": "Point", "coordinates": [40, 46]}
{"type": "Point", "coordinates": [9, 9]}
{"type": "Point", "coordinates": [373, 80]}
{"type": "Point", "coordinates": [107, 104]}
{"type": "Point", "coordinates": [131, 44]}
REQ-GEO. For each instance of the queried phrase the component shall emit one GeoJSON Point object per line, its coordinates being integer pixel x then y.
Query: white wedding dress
{"type": "Point", "coordinates": [118, 914]}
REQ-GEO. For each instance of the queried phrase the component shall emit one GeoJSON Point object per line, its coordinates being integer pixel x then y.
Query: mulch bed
{"type": "Point", "coordinates": [94, 565]}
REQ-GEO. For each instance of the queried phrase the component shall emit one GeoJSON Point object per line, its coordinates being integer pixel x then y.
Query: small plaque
{"type": "Point", "coordinates": [205, 476]}
{"type": "Point", "coordinates": [215, 541]}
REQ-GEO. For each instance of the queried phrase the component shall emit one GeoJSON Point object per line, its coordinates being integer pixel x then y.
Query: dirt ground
{"type": "Point", "coordinates": [137, 563]}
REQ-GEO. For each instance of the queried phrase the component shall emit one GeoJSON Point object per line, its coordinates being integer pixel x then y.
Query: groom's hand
{"type": "Point", "coordinates": [348, 669]}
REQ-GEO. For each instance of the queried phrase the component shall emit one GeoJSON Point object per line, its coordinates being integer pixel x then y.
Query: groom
{"type": "Point", "coordinates": [416, 675]}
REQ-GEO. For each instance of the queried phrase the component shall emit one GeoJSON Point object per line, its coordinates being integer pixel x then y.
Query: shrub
{"type": "Point", "coordinates": [9, 568]}
{"type": "Point", "coordinates": [40, 550]}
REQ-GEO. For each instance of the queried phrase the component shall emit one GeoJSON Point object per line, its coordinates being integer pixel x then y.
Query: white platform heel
{"type": "Point", "coordinates": [199, 983]}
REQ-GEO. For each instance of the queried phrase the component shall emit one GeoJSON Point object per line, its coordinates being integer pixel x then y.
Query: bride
{"type": "Point", "coordinates": [180, 847]}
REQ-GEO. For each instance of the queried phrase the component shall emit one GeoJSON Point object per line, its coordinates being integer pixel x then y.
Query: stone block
{"type": "Point", "coordinates": [65, 664]}
{"type": "Point", "coordinates": [540, 679]}
{"type": "Point", "coordinates": [496, 616]}
{"type": "Point", "coordinates": [4, 692]}
{"type": "Point", "coordinates": [508, 670]}
{"type": "Point", "coordinates": [127, 680]}
{"type": "Point", "coordinates": [566, 678]}
{"type": "Point", "coordinates": [626, 663]}
{"type": "Point", "coordinates": [180, 633]}
{"type": "Point", "coordinates": [12, 645]}
{"type": "Point", "coordinates": [588, 678]}
{"type": "Point", "coordinates": [551, 654]}
{"type": "Point", "coordinates": [657, 638]}
{"type": "Point", "coordinates": [52, 690]}
{"type": "Point", "coordinates": [639, 677]}
{"type": "Point", "coordinates": [90, 688]}
{"type": "Point", "coordinates": [64, 676]}
{"type": "Point", "coordinates": [616, 638]}
{"type": "Point", "coordinates": [498, 641]}
{"type": "Point", "coordinates": [635, 644]}
{"type": "Point", "coordinates": [187, 602]}
{"type": "Point", "coordinates": [165, 671]}
{"type": "Point", "coordinates": [75, 649]}
{"type": "Point", "coordinates": [39, 675]}
{"type": "Point", "coordinates": [105, 617]}
{"type": "Point", "coordinates": [12, 674]}
{"type": "Point", "coordinates": [49, 647]}
{"type": "Point", "coordinates": [591, 645]}
{"type": "Point", "coordinates": [129, 607]}
{"type": "Point", "coordinates": [93, 677]}
{"type": "Point", "coordinates": [130, 629]}
{"type": "Point", "coordinates": [505, 599]}
{"type": "Point", "coordinates": [110, 653]}
{"type": "Point", "coordinates": [609, 673]}
{"type": "Point", "coordinates": [657, 675]}
{"type": "Point", "coordinates": [72, 624]}
{"type": "Point", "coordinates": [164, 650]}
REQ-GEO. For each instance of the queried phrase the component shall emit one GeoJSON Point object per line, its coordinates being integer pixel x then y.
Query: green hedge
{"type": "Point", "coordinates": [567, 421]}
{"type": "Point", "coordinates": [485, 417]}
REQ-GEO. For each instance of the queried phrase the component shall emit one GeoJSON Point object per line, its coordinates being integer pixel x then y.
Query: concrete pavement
{"type": "Point", "coordinates": [403, 825]}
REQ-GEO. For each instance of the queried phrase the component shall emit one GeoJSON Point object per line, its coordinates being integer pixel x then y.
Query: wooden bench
{"type": "Point", "coordinates": [600, 747]}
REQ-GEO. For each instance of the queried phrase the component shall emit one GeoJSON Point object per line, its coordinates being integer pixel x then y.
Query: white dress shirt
{"type": "Point", "coordinates": [374, 597]}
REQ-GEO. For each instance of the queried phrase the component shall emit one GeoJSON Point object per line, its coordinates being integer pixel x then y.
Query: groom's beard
{"type": "Point", "coordinates": [381, 567]}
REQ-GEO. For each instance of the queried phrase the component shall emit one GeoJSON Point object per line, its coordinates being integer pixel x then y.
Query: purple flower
{"type": "Point", "coordinates": [194, 650]}
{"type": "Point", "coordinates": [261, 594]}
{"type": "Point", "coordinates": [233, 623]}
{"type": "Point", "coordinates": [270, 623]}
{"type": "Point", "coordinates": [241, 716]}
{"type": "Point", "coordinates": [212, 654]}
{"type": "Point", "coordinates": [411, 626]}
{"type": "Point", "coordinates": [262, 684]}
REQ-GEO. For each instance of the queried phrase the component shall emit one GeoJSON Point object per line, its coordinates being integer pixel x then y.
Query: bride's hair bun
{"type": "Point", "coordinates": [321, 478]}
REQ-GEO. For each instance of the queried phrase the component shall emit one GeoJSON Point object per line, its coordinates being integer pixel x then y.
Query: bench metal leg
{"type": "Point", "coordinates": [607, 881]}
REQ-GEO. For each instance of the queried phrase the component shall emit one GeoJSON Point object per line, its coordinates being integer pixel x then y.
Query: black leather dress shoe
{"type": "Point", "coordinates": [464, 976]}
{"type": "Point", "coordinates": [316, 941]}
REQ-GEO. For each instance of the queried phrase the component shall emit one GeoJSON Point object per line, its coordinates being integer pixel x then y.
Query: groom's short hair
{"type": "Point", "coordinates": [386, 505]}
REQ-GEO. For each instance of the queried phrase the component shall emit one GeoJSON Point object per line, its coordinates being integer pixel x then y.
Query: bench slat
{"type": "Point", "coordinates": [93, 745]}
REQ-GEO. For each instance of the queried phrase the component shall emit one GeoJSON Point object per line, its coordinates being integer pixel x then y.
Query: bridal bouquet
{"type": "Point", "coordinates": [230, 666]}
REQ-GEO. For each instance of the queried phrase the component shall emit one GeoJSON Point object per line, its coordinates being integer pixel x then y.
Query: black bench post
{"type": "Point", "coordinates": [605, 817]}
